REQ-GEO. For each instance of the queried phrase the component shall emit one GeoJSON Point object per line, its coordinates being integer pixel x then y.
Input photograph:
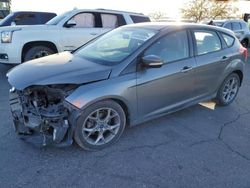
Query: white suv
{"type": "Point", "coordinates": [63, 33]}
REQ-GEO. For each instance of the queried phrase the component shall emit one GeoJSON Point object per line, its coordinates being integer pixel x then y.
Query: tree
{"type": "Point", "coordinates": [5, 4]}
{"type": "Point", "coordinates": [156, 16]}
{"type": "Point", "coordinates": [199, 10]}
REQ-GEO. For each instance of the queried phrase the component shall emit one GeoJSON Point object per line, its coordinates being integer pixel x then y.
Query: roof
{"type": "Point", "coordinates": [107, 11]}
{"type": "Point", "coordinates": [176, 25]}
{"type": "Point", "coordinates": [32, 12]}
{"type": "Point", "coordinates": [228, 20]}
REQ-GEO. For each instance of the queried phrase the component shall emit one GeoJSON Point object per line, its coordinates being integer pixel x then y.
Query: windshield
{"type": "Point", "coordinates": [115, 46]}
{"type": "Point", "coordinates": [57, 19]}
{"type": "Point", "coordinates": [6, 20]}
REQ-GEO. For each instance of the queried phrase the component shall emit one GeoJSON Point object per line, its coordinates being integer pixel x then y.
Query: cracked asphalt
{"type": "Point", "coordinates": [195, 147]}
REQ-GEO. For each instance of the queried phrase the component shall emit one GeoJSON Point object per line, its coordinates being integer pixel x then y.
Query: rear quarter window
{"type": "Point", "coordinates": [228, 39]}
{"type": "Point", "coordinates": [138, 19]}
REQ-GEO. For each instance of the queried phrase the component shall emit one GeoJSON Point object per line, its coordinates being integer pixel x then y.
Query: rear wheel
{"type": "Point", "coordinates": [228, 90]}
{"type": "Point", "coordinates": [244, 43]}
{"type": "Point", "coordinates": [37, 52]}
{"type": "Point", "coordinates": [100, 125]}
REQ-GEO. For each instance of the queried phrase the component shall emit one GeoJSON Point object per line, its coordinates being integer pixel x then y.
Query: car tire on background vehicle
{"type": "Point", "coordinates": [228, 90]}
{"type": "Point", "coordinates": [100, 125]}
{"type": "Point", "coordinates": [244, 43]}
{"type": "Point", "coordinates": [37, 52]}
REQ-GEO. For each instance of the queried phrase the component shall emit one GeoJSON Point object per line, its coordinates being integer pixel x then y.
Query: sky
{"type": "Point", "coordinates": [170, 7]}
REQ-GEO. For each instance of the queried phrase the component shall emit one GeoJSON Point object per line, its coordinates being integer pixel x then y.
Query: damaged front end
{"type": "Point", "coordinates": [42, 116]}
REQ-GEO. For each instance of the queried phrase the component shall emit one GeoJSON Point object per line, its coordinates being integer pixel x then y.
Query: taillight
{"type": "Point", "coordinates": [244, 52]}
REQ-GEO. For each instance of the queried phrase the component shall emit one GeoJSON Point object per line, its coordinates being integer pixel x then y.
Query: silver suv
{"type": "Point", "coordinates": [239, 27]}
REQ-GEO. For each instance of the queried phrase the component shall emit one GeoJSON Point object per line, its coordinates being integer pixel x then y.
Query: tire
{"type": "Point", "coordinates": [228, 90]}
{"type": "Point", "coordinates": [37, 52]}
{"type": "Point", "coordinates": [244, 43]}
{"type": "Point", "coordinates": [95, 132]}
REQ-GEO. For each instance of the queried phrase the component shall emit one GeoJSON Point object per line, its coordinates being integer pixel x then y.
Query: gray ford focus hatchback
{"type": "Point", "coordinates": [130, 75]}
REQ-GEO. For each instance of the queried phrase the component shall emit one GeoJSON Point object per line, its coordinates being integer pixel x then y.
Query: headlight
{"type": "Point", "coordinates": [6, 36]}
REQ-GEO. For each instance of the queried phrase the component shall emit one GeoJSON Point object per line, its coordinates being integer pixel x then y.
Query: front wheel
{"type": "Point", "coordinates": [37, 52]}
{"type": "Point", "coordinates": [228, 90]}
{"type": "Point", "coordinates": [100, 125]}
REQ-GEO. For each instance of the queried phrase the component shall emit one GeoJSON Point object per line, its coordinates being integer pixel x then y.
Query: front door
{"type": "Point", "coordinates": [162, 89]}
{"type": "Point", "coordinates": [85, 29]}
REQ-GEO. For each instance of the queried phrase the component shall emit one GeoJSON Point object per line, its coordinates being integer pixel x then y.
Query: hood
{"type": "Point", "coordinates": [61, 68]}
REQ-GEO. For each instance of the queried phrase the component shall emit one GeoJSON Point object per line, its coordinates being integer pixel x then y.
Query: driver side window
{"type": "Point", "coordinates": [171, 47]}
{"type": "Point", "coordinates": [84, 20]}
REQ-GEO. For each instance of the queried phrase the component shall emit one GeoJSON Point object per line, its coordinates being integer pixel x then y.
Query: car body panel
{"type": "Point", "coordinates": [159, 89]}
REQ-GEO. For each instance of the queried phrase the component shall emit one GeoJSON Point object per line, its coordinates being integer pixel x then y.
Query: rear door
{"type": "Point", "coordinates": [172, 85]}
{"type": "Point", "coordinates": [212, 58]}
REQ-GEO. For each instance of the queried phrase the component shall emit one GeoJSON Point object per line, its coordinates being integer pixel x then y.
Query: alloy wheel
{"type": "Point", "coordinates": [101, 126]}
{"type": "Point", "coordinates": [230, 90]}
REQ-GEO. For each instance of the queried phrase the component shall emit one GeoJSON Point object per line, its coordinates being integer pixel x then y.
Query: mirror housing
{"type": "Point", "coordinates": [70, 23]}
{"type": "Point", "coordinates": [152, 61]}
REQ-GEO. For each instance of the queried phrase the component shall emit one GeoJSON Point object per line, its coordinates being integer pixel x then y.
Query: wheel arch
{"type": "Point", "coordinates": [240, 74]}
{"type": "Point", "coordinates": [29, 45]}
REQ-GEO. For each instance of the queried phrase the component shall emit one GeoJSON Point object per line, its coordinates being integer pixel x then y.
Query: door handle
{"type": "Point", "coordinates": [186, 69]}
{"type": "Point", "coordinates": [224, 58]}
{"type": "Point", "coordinates": [93, 33]}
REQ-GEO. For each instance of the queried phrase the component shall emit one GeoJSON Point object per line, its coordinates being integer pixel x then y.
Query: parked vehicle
{"type": "Point", "coordinates": [239, 27]}
{"type": "Point", "coordinates": [66, 32]}
{"type": "Point", "coordinates": [130, 75]}
{"type": "Point", "coordinates": [27, 18]}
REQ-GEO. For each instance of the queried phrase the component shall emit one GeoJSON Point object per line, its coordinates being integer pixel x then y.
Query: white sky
{"type": "Point", "coordinates": [170, 7]}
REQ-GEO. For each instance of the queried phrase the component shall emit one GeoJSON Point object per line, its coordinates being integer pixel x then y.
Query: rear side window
{"type": "Point", "coordinates": [228, 39]}
{"type": "Point", "coordinates": [26, 19]}
{"type": "Point", "coordinates": [207, 41]}
{"type": "Point", "coordinates": [138, 19]}
{"type": "Point", "coordinates": [109, 21]}
{"type": "Point", "coordinates": [236, 26]}
{"type": "Point", "coordinates": [170, 48]}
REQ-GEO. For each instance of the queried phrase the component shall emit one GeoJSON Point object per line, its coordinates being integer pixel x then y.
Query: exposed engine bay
{"type": "Point", "coordinates": [41, 114]}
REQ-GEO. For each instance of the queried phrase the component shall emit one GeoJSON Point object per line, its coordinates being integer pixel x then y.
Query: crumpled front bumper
{"type": "Point", "coordinates": [47, 129]}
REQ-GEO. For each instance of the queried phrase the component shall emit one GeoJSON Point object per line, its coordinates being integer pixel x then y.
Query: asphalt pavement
{"type": "Point", "coordinates": [195, 147]}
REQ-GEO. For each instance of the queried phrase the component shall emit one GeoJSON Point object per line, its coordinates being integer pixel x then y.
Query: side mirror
{"type": "Point", "coordinates": [70, 23]}
{"type": "Point", "coordinates": [152, 61]}
{"type": "Point", "coordinates": [13, 23]}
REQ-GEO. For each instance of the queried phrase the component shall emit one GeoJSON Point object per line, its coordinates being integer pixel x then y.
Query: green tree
{"type": "Point", "coordinates": [199, 10]}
